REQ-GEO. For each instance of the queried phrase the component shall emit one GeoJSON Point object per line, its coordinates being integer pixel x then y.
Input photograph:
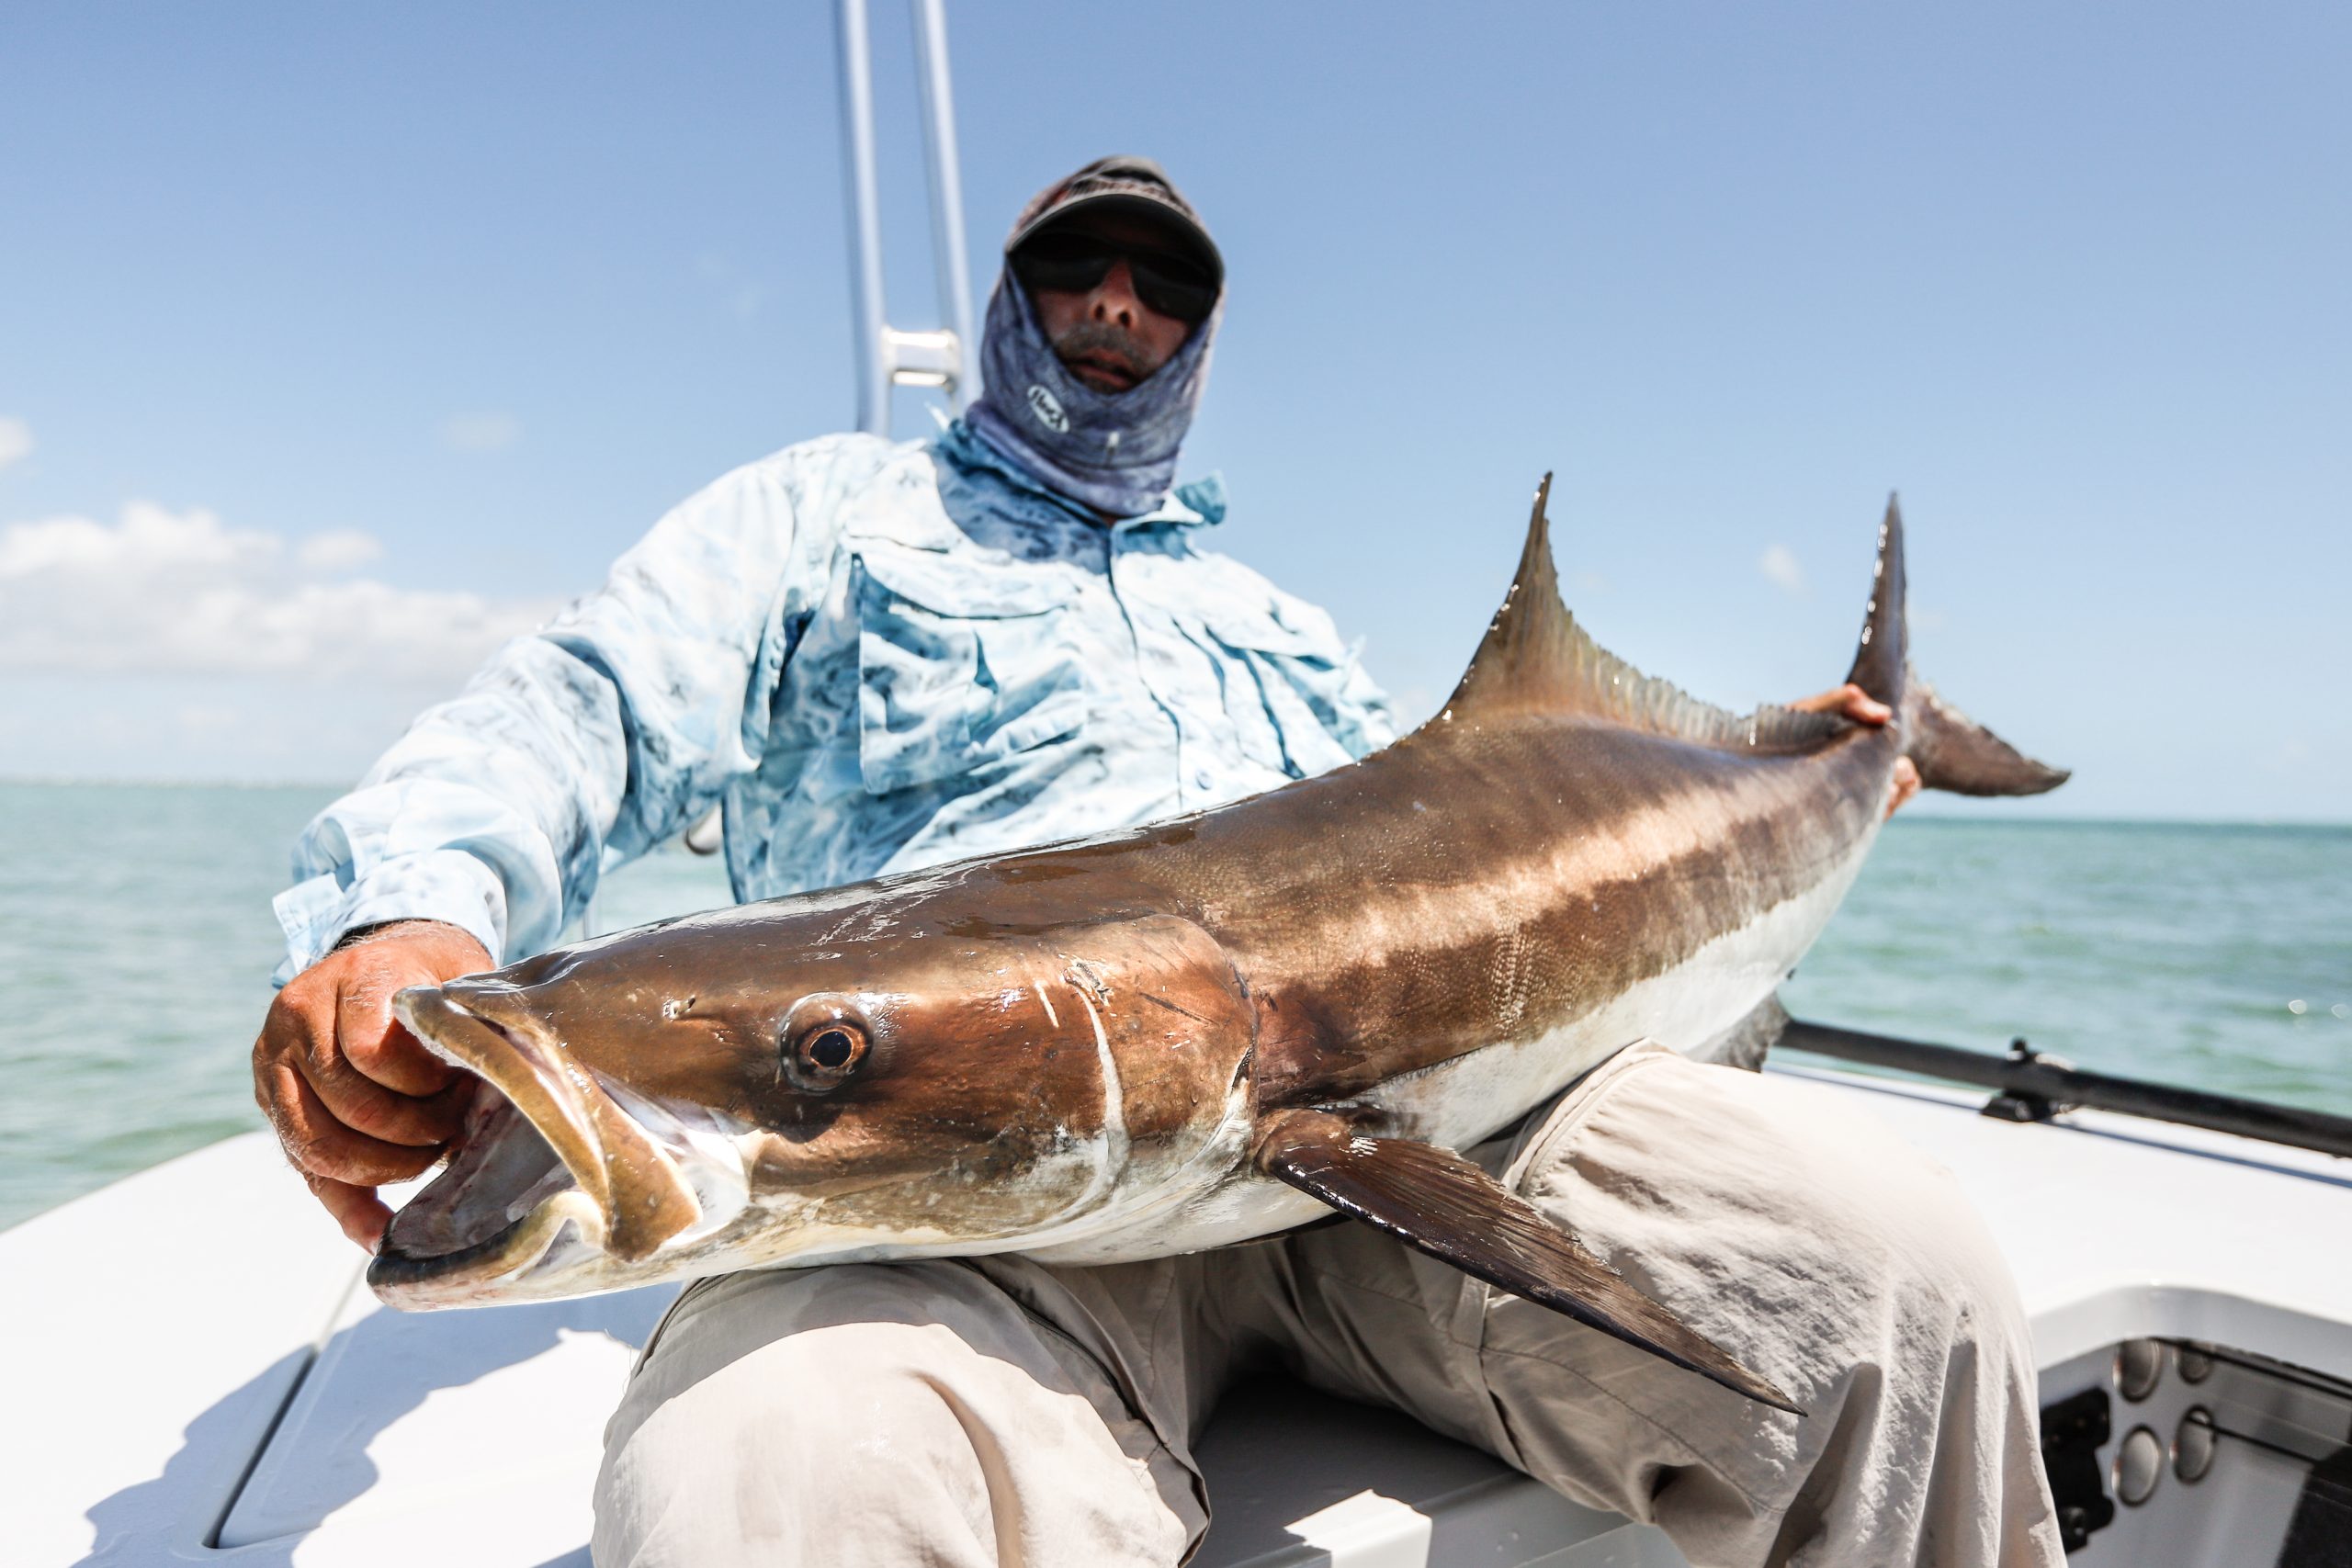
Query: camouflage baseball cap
{"type": "Point", "coordinates": [1133, 186]}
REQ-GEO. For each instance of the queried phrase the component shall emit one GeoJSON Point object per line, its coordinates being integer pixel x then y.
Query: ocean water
{"type": "Point", "coordinates": [136, 943]}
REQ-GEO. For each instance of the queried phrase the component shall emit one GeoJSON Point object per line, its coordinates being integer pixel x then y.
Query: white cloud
{"type": "Point", "coordinates": [486, 432]}
{"type": "Point", "coordinates": [338, 550]}
{"type": "Point", "coordinates": [180, 593]}
{"type": "Point", "coordinates": [15, 440]}
{"type": "Point", "coordinates": [1780, 567]}
{"type": "Point", "coordinates": [148, 538]}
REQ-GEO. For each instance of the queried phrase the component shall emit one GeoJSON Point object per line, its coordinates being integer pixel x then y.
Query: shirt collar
{"type": "Point", "coordinates": [1200, 504]}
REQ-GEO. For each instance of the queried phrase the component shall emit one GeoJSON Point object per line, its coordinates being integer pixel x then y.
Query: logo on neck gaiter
{"type": "Point", "coordinates": [1048, 410]}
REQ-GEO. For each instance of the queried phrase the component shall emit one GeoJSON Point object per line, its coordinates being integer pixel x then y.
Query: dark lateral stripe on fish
{"type": "Point", "coordinates": [1443, 956]}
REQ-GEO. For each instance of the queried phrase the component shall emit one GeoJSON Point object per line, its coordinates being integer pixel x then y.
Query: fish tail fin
{"type": "Point", "coordinates": [1954, 753]}
{"type": "Point", "coordinates": [1947, 749]}
{"type": "Point", "coordinates": [1882, 659]}
{"type": "Point", "coordinates": [1952, 750]}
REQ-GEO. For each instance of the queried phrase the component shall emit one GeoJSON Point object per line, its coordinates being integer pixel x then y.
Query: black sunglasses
{"type": "Point", "coordinates": [1172, 285]}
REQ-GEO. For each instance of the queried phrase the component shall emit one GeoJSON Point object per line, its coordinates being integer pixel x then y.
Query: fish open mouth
{"type": "Point", "coordinates": [498, 1209]}
{"type": "Point", "coordinates": [555, 1188]}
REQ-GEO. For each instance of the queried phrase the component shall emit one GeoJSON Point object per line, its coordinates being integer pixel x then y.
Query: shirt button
{"type": "Point", "coordinates": [1200, 777]}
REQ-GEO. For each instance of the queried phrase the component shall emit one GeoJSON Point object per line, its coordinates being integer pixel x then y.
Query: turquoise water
{"type": "Point", "coordinates": [136, 943]}
{"type": "Point", "coordinates": [2214, 955]}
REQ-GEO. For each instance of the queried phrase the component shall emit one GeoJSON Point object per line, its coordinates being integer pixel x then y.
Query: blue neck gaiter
{"type": "Point", "coordinates": [1114, 452]}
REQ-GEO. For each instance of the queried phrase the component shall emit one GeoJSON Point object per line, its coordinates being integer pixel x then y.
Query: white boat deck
{"type": "Point", "coordinates": [199, 1376]}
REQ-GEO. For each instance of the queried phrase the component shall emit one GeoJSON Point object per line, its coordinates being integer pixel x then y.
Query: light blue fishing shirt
{"type": "Point", "coordinates": [876, 656]}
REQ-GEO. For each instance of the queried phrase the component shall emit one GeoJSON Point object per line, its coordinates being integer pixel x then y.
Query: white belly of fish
{"type": "Point", "coordinates": [1458, 1103]}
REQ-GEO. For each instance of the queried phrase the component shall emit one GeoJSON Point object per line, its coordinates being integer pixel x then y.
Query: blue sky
{"type": "Point", "coordinates": [334, 341]}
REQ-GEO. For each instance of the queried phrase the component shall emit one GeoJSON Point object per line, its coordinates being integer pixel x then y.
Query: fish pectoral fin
{"type": "Point", "coordinates": [1747, 1042]}
{"type": "Point", "coordinates": [1436, 1202]}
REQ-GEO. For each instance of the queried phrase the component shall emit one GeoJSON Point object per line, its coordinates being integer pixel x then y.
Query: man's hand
{"type": "Point", "coordinates": [356, 1099]}
{"type": "Point", "coordinates": [1851, 702]}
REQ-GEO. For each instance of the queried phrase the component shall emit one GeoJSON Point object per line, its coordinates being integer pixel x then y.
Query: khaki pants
{"type": "Point", "coordinates": [996, 1411]}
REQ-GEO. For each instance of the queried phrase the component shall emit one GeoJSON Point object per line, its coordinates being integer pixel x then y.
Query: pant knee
{"type": "Point", "coordinates": [828, 1432]}
{"type": "Point", "coordinates": [1792, 1226]}
{"type": "Point", "coordinates": [860, 1415]}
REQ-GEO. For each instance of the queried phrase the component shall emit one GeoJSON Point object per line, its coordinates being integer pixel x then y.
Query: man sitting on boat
{"type": "Point", "coordinates": [839, 644]}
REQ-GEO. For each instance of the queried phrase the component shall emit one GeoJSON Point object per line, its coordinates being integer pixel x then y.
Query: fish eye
{"type": "Point", "coordinates": [823, 1045]}
{"type": "Point", "coordinates": [829, 1049]}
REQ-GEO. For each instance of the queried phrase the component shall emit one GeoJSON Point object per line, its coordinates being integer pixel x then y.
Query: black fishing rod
{"type": "Point", "coordinates": [2031, 1087]}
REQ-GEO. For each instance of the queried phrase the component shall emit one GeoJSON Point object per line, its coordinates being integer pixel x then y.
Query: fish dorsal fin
{"type": "Point", "coordinates": [1536, 659]}
{"type": "Point", "coordinates": [1435, 1202]}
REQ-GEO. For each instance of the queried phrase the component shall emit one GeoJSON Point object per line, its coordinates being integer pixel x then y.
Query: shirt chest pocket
{"type": "Point", "coordinates": [960, 663]}
{"type": "Point", "coordinates": [1282, 714]}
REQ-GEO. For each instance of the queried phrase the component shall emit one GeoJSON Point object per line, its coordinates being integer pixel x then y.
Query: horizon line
{"type": "Point", "coordinates": [1934, 811]}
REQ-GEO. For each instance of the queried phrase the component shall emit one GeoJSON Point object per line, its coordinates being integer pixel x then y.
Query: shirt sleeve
{"type": "Point", "coordinates": [577, 748]}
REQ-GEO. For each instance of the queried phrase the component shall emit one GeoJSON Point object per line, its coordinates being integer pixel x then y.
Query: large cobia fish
{"type": "Point", "coordinates": [1201, 1030]}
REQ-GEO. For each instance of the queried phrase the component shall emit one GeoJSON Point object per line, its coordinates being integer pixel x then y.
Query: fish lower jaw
{"type": "Point", "coordinates": [508, 1220]}
{"type": "Point", "coordinates": [559, 1231]}
{"type": "Point", "coordinates": [559, 1248]}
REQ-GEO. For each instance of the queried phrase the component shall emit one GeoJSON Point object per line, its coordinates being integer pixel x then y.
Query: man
{"type": "Point", "coordinates": [882, 656]}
